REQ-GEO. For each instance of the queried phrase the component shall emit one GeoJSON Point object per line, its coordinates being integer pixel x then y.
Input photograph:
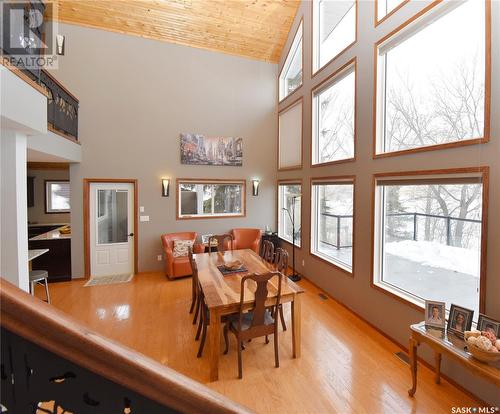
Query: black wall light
{"type": "Point", "coordinates": [165, 187]}
{"type": "Point", "coordinates": [255, 187]}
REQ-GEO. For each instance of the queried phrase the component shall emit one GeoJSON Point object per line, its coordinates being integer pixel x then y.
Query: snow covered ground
{"type": "Point", "coordinates": [437, 255]}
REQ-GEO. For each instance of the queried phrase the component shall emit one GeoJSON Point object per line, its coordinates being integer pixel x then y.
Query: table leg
{"type": "Point", "coordinates": [437, 357]}
{"type": "Point", "coordinates": [412, 350]}
{"type": "Point", "coordinates": [214, 339]}
{"type": "Point", "coordinates": [296, 328]}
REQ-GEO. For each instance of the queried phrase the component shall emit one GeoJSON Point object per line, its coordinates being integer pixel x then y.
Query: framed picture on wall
{"type": "Point", "coordinates": [198, 149]}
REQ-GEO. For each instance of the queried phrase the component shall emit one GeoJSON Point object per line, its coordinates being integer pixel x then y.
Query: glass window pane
{"type": "Point", "coordinates": [334, 29]}
{"type": "Point", "coordinates": [334, 121]}
{"type": "Point", "coordinates": [289, 214]}
{"type": "Point", "coordinates": [332, 222]}
{"type": "Point", "coordinates": [58, 196]}
{"type": "Point", "coordinates": [432, 83]}
{"type": "Point", "coordinates": [112, 220]}
{"type": "Point", "coordinates": [432, 241]}
{"type": "Point", "coordinates": [291, 74]}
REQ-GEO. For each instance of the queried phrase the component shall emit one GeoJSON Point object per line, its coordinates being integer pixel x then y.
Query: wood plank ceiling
{"type": "Point", "coordinates": [256, 29]}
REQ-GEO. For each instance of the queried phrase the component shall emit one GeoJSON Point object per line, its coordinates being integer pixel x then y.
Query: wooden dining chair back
{"type": "Point", "coordinates": [268, 251]}
{"type": "Point", "coordinates": [194, 280]}
{"type": "Point", "coordinates": [222, 241]}
{"type": "Point", "coordinates": [257, 322]}
{"type": "Point", "coordinates": [281, 260]}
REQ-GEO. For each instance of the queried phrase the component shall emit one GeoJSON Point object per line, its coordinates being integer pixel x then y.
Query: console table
{"type": "Point", "coordinates": [451, 346]}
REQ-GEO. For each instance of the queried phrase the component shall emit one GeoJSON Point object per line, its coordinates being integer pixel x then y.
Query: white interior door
{"type": "Point", "coordinates": [111, 228]}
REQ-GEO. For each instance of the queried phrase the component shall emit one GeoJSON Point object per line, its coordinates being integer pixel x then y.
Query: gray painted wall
{"type": "Point", "coordinates": [386, 313]}
{"type": "Point", "coordinates": [36, 214]}
{"type": "Point", "coordinates": [136, 97]}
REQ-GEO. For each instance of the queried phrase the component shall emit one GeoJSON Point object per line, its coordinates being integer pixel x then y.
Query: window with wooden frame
{"type": "Point", "coordinates": [290, 136]}
{"type": "Point", "coordinates": [290, 77]}
{"type": "Point", "coordinates": [332, 220]}
{"type": "Point", "coordinates": [57, 196]}
{"type": "Point", "coordinates": [334, 29]}
{"type": "Point", "coordinates": [429, 238]}
{"type": "Point", "coordinates": [385, 8]}
{"type": "Point", "coordinates": [197, 198]}
{"type": "Point", "coordinates": [433, 80]}
{"type": "Point", "coordinates": [290, 211]}
{"type": "Point", "coordinates": [334, 117]}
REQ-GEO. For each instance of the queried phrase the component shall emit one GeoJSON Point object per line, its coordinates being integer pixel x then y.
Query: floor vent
{"type": "Point", "coordinates": [403, 356]}
{"type": "Point", "coordinates": [322, 296]}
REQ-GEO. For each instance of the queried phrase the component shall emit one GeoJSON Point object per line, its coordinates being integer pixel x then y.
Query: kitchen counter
{"type": "Point", "coordinates": [34, 253]}
{"type": "Point", "coordinates": [51, 235]}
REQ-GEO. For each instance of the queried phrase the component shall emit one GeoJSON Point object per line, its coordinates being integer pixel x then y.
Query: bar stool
{"type": "Point", "coordinates": [37, 277]}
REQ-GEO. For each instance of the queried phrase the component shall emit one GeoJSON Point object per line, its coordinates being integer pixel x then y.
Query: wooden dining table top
{"type": "Point", "coordinates": [223, 291]}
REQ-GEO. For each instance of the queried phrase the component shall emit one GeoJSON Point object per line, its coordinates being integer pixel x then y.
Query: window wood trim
{"type": "Point", "coordinates": [487, 89]}
{"type": "Point", "coordinates": [387, 15]}
{"type": "Point", "coordinates": [290, 181]}
{"type": "Point", "coordinates": [241, 182]}
{"type": "Point", "coordinates": [320, 87]}
{"type": "Point", "coordinates": [335, 180]}
{"type": "Point", "coordinates": [482, 171]}
{"type": "Point", "coordinates": [327, 64]}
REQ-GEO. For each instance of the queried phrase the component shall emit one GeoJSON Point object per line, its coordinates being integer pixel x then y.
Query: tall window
{"type": "Point", "coordinates": [428, 238]}
{"type": "Point", "coordinates": [57, 197]}
{"type": "Point", "coordinates": [384, 7]}
{"type": "Point", "coordinates": [290, 137]}
{"type": "Point", "coordinates": [289, 212]}
{"type": "Point", "coordinates": [203, 198]}
{"type": "Point", "coordinates": [291, 73]}
{"type": "Point", "coordinates": [431, 79]}
{"type": "Point", "coordinates": [334, 29]}
{"type": "Point", "coordinates": [334, 118]}
{"type": "Point", "coordinates": [332, 221]}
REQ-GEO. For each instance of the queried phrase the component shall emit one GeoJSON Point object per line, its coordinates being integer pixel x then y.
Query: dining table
{"type": "Point", "coordinates": [222, 295]}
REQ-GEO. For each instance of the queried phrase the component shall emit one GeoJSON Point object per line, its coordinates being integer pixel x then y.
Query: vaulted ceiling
{"type": "Point", "coordinates": [255, 29]}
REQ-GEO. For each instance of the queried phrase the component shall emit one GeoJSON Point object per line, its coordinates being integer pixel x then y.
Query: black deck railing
{"type": "Point", "coordinates": [337, 241]}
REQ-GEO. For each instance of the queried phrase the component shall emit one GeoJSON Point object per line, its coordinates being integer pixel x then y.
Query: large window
{"type": "Point", "coordinates": [334, 29]}
{"type": "Point", "coordinates": [428, 238]}
{"type": "Point", "coordinates": [386, 7]}
{"type": "Point", "coordinates": [205, 198]}
{"type": "Point", "coordinates": [289, 212]}
{"type": "Point", "coordinates": [431, 80]}
{"type": "Point", "coordinates": [334, 118]}
{"type": "Point", "coordinates": [290, 137]}
{"type": "Point", "coordinates": [291, 73]}
{"type": "Point", "coordinates": [57, 196]}
{"type": "Point", "coordinates": [332, 206]}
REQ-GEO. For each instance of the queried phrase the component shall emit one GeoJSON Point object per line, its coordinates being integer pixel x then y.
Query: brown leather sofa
{"type": "Point", "coordinates": [247, 239]}
{"type": "Point", "coordinates": [178, 266]}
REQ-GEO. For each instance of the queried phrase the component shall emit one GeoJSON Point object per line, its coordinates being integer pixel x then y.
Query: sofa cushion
{"type": "Point", "coordinates": [182, 267]}
{"type": "Point", "coordinates": [181, 247]}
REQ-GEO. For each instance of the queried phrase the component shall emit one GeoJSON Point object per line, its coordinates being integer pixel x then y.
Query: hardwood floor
{"type": "Point", "coordinates": [346, 366]}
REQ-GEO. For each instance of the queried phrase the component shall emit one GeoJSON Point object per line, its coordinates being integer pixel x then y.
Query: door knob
{"type": "Point", "coordinates": [131, 235]}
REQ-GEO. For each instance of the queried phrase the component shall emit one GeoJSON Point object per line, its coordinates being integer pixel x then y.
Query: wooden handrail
{"type": "Point", "coordinates": [51, 329]}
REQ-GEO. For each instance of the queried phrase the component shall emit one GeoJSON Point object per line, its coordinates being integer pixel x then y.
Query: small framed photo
{"type": "Point", "coordinates": [460, 319]}
{"type": "Point", "coordinates": [435, 314]}
{"type": "Point", "coordinates": [488, 324]}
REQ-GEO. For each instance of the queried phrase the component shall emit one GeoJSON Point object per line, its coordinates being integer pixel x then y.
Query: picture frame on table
{"type": "Point", "coordinates": [435, 314]}
{"type": "Point", "coordinates": [485, 323]}
{"type": "Point", "coordinates": [459, 320]}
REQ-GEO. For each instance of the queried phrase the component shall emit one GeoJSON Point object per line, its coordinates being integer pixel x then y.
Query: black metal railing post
{"type": "Point", "coordinates": [415, 227]}
{"type": "Point", "coordinates": [338, 232]}
{"type": "Point", "coordinates": [448, 231]}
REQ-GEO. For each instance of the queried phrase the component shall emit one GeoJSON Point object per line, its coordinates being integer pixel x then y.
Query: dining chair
{"type": "Point", "coordinates": [281, 265]}
{"type": "Point", "coordinates": [268, 251]}
{"type": "Point", "coordinates": [194, 283]}
{"type": "Point", "coordinates": [223, 242]}
{"type": "Point", "coordinates": [258, 321]}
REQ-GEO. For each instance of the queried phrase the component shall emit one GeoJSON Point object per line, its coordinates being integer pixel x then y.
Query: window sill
{"type": "Point", "coordinates": [324, 164]}
{"type": "Point", "coordinates": [226, 216]}
{"type": "Point", "coordinates": [399, 295]}
{"type": "Point", "coordinates": [330, 262]}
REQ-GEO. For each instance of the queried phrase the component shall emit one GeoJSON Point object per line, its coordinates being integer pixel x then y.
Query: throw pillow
{"type": "Point", "coordinates": [181, 247]}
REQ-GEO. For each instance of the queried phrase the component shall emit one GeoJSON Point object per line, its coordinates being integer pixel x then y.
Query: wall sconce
{"type": "Point", "coordinates": [255, 187]}
{"type": "Point", "coordinates": [165, 187]}
{"type": "Point", "coordinates": [60, 40]}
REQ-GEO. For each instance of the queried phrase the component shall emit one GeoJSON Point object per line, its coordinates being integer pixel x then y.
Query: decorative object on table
{"type": "Point", "coordinates": [231, 267]}
{"type": "Point", "coordinates": [65, 230]}
{"type": "Point", "coordinates": [181, 247]}
{"type": "Point", "coordinates": [483, 346]}
{"type": "Point", "coordinates": [205, 237]}
{"type": "Point", "coordinates": [294, 276]}
{"type": "Point", "coordinates": [220, 242]}
{"type": "Point", "coordinates": [487, 324]}
{"type": "Point", "coordinates": [268, 230]}
{"type": "Point", "coordinates": [197, 149]}
{"type": "Point", "coordinates": [460, 319]}
{"type": "Point", "coordinates": [435, 314]}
